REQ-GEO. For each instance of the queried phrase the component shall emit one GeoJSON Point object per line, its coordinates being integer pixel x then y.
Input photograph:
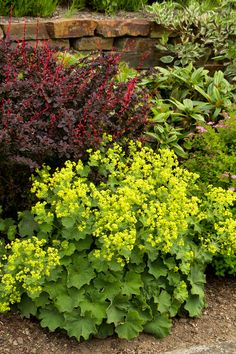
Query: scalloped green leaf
{"type": "Point", "coordinates": [80, 272]}
{"type": "Point", "coordinates": [117, 310]}
{"type": "Point", "coordinates": [164, 301]}
{"type": "Point", "coordinates": [132, 283]}
{"type": "Point", "coordinates": [80, 327]}
{"type": "Point", "coordinates": [160, 327]}
{"type": "Point", "coordinates": [157, 268]}
{"type": "Point", "coordinates": [194, 305]}
{"type": "Point", "coordinates": [27, 225]}
{"type": "Point", "coordinates": [51, 319]}
{"type": "Point", "coordinates": [131, 327]}
{"type": "Point", "coordinates": [64, 303]}
{"type": "Point", "coordinates": [27, 306]}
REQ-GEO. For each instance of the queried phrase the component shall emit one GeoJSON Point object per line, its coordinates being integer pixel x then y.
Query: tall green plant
{"type": "Point", "coordinates": [21, 8]}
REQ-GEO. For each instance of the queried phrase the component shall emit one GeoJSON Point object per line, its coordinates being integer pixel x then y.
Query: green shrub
{"type": "Point", "coordinates": [213, 154]}
{"type": "Point", "coordinates": [111, 6]}
{"type": "Point", "coordinates": [206, 31]}
{"type": "Point", "coordinates": [184, 98]}
{"type": "Point", "coordinates": [133, 241]}
{"type": "Point", "coordinates": [28, 7]}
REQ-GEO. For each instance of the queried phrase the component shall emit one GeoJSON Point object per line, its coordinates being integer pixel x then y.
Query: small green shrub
{"type": "Point", "coordinates": [213, 154]}
{"type": "Point", "coordinates": [132, 239]}
{"type": "Point", "coordinates": [112, 6]}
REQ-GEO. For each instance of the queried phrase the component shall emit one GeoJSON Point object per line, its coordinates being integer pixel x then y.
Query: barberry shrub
{"type": "Point", "coordinates": [132, 248]}
{"type": "Point", "coordinates": [50, 113]}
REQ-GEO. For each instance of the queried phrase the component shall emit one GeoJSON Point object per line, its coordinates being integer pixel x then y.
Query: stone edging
{"type": "Point", "coordinates": [137, 38]}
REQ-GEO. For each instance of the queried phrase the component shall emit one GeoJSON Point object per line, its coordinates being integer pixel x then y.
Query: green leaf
{"type": "Point", "coordinates": [54, 289]}
{"type": "Point", "coordinates": [164, 301]}
{"type": "Point", "coordinates": [157, 268]}
{"type": "Point", "coordinates": [167, 59]}
{"type": "Point", "coordinates": [27, 307]}
{"type": "Point", "coordinates": [173, 278]}
{"type": "Point", "coordinates": [42, 300]}
{"type": "Point", "coordinates": [132, 326]}
{"type": "Point", "coordinates": [105, 330]}
{"type": "Point", "coordinates": [78, 327]}
{"type": "Point", "coordinates": [95, 309]}
{"type": "Point", "coordinates": [160, 327]}
{"type": "Point", "coordinates": [64, 303]}
{"type": "Point", "coordinates": [51, 318]}
{"type": "Point", "coordinates": [68, 222]}
{"type": "Point", "coordinates": [194, 305]}
{"type": "Point", "coordinates": [80, 272]}
{"type": "Point", "coordinates": [27, 225]}
{"type": "Point", "coordinates": [107, 285]}
{"type": "Point", "coordinates": [132, 283]}
{"type": "Point", "coordinates": [118, 309]}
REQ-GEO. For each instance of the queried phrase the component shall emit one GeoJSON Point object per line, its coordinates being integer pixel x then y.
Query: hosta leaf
{"type": "Point", "coordinates": [51, 318]}
{"type": "Point", "coordinates": [167, 59]}
{"type": "Point", "coordinates": [160, 327]}
{"type": "Point", "coordinates": [164, 301]}
{"type": "Point", "coordinates": [194, 305]}
{"type": "Point", "coordinates": [132, 326]}
{"type": "Point", "coordinates": [80, 327]}
{"type": "Point", "coordinates": [27, 306]}
{"type": "Point", "coordinates": [132, 283]}
{"type": "Point", "coordinates": [157, 268]}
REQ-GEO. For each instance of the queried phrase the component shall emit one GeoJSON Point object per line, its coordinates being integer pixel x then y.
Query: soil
{"type": "Point", "coordinates": [216, 325]}
{"type": "Point", "coordinates": [62, 12]}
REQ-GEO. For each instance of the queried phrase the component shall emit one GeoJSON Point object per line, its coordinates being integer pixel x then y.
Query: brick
{"type": "Point", "coordinates": [93, 43]}
{"type": "Point", "coordinates": [118, 28]}
{"type": "Point", "coordinates": [29, 31]}
{"type": "Point", "coordinates": [135, 44]}
{"type": "Point", "coordinates": [71, 28]}
{"type": "Point", "coordinates": [141, 60]}
{"type": "Point", "coordinates": [53, 43]}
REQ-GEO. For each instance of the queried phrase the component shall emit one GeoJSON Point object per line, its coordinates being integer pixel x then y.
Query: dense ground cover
{"type": "Point", "coordinates": [117, 190]}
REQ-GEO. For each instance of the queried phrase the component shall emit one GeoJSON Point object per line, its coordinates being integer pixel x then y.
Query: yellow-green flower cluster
{"type": "Point", "coordinates": [221, 239]}
{"type": "Point", "coordinates": [24, 268]}
{"type": "Point", "coordinates": [143, 202]}
{"type": "Point", "coordinates": [67, 194]}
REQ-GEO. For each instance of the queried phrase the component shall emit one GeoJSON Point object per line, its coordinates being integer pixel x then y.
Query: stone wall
{"type": "Point", "coordinates": [135, 38]}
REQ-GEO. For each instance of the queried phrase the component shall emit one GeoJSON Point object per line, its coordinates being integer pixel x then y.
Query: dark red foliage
{"type": "Point", "coordinates": [50, 113]}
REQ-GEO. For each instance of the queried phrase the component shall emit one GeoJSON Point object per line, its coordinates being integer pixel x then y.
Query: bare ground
{"type": "Point", "coordinates": [217, 324]}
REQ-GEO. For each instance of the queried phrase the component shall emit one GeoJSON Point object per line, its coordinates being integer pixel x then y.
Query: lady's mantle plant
{"type": "Point", "coordinates": [133, 240]}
